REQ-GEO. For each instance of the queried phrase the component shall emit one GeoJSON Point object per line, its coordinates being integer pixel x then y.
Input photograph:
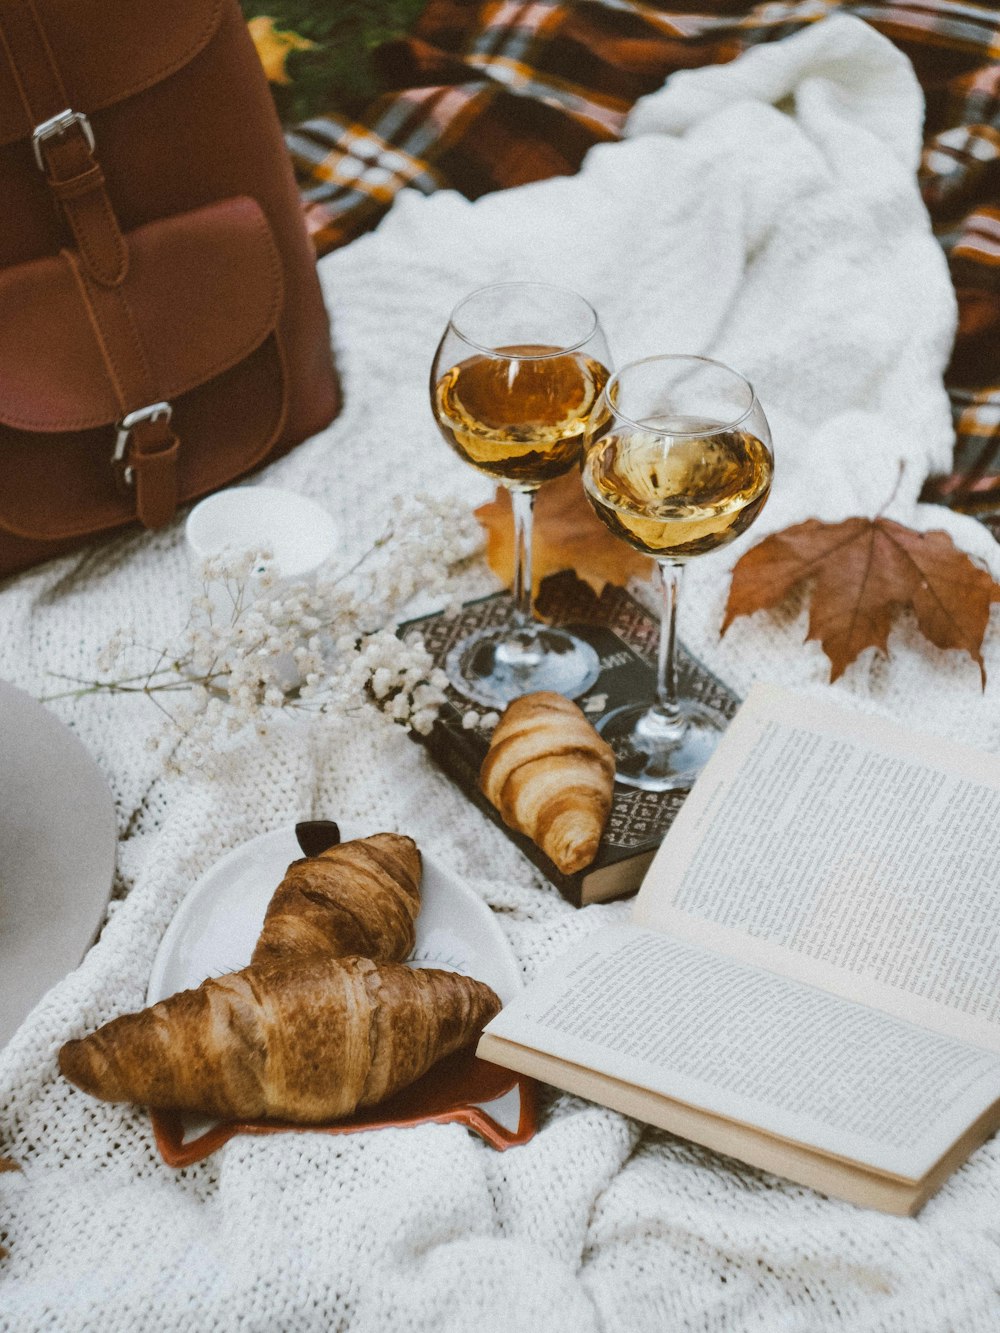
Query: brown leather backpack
{"type": "Point", "coordinates": [161, 325]}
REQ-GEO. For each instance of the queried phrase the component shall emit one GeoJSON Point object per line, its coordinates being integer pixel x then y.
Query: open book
{"type": "Point", "coordinates": [811, 978]}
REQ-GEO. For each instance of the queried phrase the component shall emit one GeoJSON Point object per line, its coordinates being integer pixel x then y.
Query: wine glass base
{"type": "Point", "coordinates": [495, 666]}
{"type": "Point", "coordinates": [650, 755]}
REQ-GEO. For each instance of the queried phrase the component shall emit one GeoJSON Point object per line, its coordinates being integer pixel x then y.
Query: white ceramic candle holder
{"type": "Point", "coordinates": [298, 533]}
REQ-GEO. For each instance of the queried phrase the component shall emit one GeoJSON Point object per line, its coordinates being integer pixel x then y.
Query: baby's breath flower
{"type": "Point", "coordinates": [256, 645]}
{"type": "Point", "coordinates": [423, 720]}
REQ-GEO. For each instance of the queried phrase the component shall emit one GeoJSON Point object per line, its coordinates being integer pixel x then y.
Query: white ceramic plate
{"type": "Point", "coordinates": [216, 927]}
{"type": "Point", "coordinates": [57, 853]}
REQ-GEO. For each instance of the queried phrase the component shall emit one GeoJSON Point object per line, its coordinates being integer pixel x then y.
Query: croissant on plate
{"type": "Point", "coordinates": [359, 897]}
{"type": "Point", "coordinates": [551, 777]}
{"type": "Point", "coordinates": [305, 1040]}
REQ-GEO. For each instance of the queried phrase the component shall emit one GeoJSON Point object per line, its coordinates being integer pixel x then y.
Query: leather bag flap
{"type": "Point", "coordinates": [107, 52]}
{"type": "Point", "coordinates": [204, 290]}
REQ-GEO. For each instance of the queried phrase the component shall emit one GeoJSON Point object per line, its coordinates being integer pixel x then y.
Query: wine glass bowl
{"type": "Point", "coordinates": [513, 383]}
{"type": "Point", "coordinates": [519, 415]}
{"type": "Point", "coordinates": [677, 462]}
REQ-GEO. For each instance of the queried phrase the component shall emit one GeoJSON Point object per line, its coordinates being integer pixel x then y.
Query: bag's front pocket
{"type": "Point", "coordinates": [192, 327]}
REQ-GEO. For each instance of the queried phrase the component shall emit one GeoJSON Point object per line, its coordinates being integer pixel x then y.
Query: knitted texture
{"type": "Point", "coordinates": [765, 213]}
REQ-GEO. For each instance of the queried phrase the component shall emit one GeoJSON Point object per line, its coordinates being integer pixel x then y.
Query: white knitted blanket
{"type": "Point", "coordinates": [764, 212]}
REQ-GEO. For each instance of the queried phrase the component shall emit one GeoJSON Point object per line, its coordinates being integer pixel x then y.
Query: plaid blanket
{"type": "Point", "coordinates": [482, 96]}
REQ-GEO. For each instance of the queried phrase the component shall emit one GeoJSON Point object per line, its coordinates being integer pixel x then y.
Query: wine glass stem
{"type": "Point", "coordinates": [666, 709]}
{"type": "Point", "coordinates": [522, 501]}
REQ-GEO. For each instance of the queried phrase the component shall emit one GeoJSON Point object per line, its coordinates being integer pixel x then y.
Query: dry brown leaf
{"type": "Point", "coordinates": [568, 535]}
{"type": "Point", "coordinates": [864, 571]}
{"type": "Point", "coordinates": [7, 1164]}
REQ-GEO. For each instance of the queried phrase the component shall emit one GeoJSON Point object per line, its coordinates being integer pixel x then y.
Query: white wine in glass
{"type": "Point", "coordinates": [514, 381]}
{"type": "Point", "coordinates": [519, 417]}
{"type": "Point", "coordinates": [677, 462]}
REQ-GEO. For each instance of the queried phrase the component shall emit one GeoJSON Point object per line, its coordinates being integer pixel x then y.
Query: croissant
{"type": "Point", "coordinates": [305, 1040]}
{"type": "Point", "coordinates": [551, 777]}
{"type": "Point", "coordinates": [360, 897]}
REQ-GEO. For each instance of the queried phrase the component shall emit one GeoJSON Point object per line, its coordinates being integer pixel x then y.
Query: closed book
{"type": "Point", "coordinates": [625, 637]}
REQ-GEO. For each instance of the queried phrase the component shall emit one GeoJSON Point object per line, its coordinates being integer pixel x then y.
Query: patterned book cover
{"type": "Point", "coordinates": [625, 636]}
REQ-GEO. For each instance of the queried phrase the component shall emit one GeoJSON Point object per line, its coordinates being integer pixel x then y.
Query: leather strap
{"type": "Point", "coordinates": [75, 178]}
{"type": "Point", "coordinates": [118, 339]}
{"type": "Point", "coordinates": [152, 461]}
{"type": "Point", "coordinates": [148, 465]}
{"type": "Point", "coordinates": [36, 75]}
{"type": "Point", "coordinates": [72, 171]}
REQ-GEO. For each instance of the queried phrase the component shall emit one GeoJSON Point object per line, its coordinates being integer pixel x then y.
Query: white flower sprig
{"type": "Point", "coordinates": [256, 646]}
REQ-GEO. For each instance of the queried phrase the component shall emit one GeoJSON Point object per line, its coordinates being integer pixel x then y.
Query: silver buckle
{"type": "Point", "coordinates": [126, 426]}
{"type": "Point", "coordinates": [56, 126]}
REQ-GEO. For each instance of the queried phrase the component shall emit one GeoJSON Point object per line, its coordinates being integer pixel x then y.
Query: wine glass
{"type": "Point", "coordinates": [514, 379]}
{"type": "Point", "coordinates": [677, 462]}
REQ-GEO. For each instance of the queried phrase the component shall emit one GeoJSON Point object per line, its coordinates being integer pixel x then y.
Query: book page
{"type": "Point", "coordinates": [757, 1048]}
{"type": "Point", "coordinates": [847, 852]}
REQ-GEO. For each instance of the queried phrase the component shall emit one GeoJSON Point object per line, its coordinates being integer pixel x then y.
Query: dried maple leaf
{"type": "Point", "coordinates": [7, 1164]}
{"type": "Point", "coordinates": [568, 535]}
{"type": "Point", "coordinates": [863, 572]}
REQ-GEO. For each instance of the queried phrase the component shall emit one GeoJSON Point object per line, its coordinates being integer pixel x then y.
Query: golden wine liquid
{"type": "Point", "coordinates": [521, 421]}
{"type": "Point", "coordinates": [676, 497]}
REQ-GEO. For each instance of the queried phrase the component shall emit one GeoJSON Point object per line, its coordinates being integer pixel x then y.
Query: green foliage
{"type": "Point", "coordinates": [338, 75]}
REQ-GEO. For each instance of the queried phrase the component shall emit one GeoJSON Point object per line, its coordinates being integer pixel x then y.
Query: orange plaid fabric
{"type": "Point", "coordinates": [483, 96]}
